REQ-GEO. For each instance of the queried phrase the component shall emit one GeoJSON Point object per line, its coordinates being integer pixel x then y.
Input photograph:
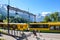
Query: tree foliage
{"type": "Point", "coordinates": [53, 17]}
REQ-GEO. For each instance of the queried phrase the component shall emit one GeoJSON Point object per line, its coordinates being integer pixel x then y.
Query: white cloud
{"type": "Point", "coordinates": [45, 13]}
{"type": "Point", "coordinates": [41, 16]}
{"type": "Point", "coordinates": [38, 15]}
{"type": "Point", "coordinates": [0, 5]}
{"type": "Point", "coordinates": [5, 7]}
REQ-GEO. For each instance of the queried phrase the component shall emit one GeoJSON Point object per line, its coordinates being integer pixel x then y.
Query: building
{"type": "Point", "coordinates": [21, 13]}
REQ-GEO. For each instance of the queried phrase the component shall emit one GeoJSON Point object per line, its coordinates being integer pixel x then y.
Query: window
{"type": "Point", "coordinates": [39, 26]}
{"type": "Point", "coordinates": [34, 26]}
{"type": "Point", "coordinates": [55, 27]}
{"type": "Point", "coordinates": [52, 28]}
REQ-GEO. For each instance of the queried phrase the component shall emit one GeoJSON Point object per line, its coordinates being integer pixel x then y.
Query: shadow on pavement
{"type": "Point", "coordinates": [0, 34]}
{"type": "Point", "coordinates": [23, 37]}
{"type": "Point", "coordinates": [38, 38]}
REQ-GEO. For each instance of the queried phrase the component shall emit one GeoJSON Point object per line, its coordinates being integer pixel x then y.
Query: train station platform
{"type": "Point", "coordinates": [30, 36]}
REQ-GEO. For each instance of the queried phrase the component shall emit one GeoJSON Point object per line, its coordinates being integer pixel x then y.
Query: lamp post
{"type": "Point", "coordinates": [8, 14]}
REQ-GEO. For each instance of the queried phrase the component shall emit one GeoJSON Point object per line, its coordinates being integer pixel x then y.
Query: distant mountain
{"type": "Point", "coordinates": [41, 16]}
{"type": "Point", "coordinates": [3, 9]}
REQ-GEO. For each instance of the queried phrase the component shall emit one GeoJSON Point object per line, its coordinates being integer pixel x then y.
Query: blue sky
{"type": "Point", "coordinates": [35, 6]}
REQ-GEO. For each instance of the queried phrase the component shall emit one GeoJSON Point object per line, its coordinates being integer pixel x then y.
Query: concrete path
{"type": "Point", "coordinates": [6, 37]}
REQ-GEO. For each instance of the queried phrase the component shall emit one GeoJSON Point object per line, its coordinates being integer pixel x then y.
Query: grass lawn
{"type": "Point", "coordinates": [48, 31]}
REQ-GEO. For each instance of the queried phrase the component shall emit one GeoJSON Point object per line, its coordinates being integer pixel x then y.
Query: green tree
{"type": "Point", "coordinates": [53, 17]}
{"type": "Point", "coordinates": [47, 19]}
{"type": "Point", "coordinates": [1, 17]}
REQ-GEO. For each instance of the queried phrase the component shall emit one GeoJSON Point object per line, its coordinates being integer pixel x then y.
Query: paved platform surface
{"type": "Point", "coordinates": [6, 37]}
{"type": "Point", "coordinates": [44, 36]}
{"type": "Point", "coordinates": [30, 36]}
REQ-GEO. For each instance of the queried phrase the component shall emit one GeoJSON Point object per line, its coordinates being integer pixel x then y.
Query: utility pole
{"type": "Point", "coordinates": [8, 14]}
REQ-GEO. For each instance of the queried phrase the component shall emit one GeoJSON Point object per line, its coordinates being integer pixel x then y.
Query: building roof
{"type": "Point", "coordinates": [19, 10]}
